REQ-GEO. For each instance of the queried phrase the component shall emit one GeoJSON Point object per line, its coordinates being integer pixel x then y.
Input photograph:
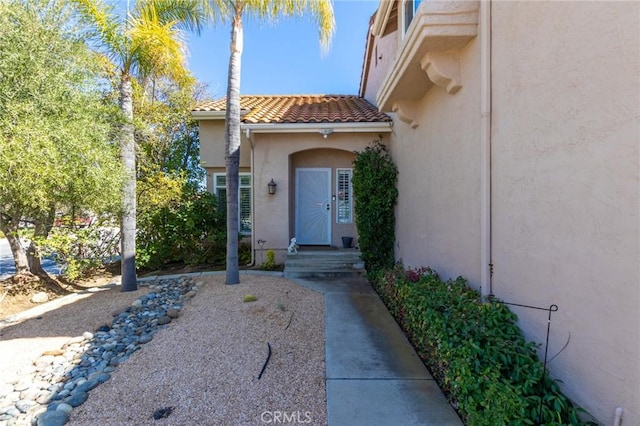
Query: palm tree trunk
{"type": "Point", "coordinates": [232, 138]}
{"type": "Point", "coordinates": [128, 219]}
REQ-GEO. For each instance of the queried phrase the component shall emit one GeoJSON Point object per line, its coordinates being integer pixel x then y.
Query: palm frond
{"type": "Point", "coordinates": [271, 10]}
{"type": "Point", "coordinates": [189, 15]}
{"type": "Point", "coordinates": [158, 48]}
{"type": "Point", "coordinates": [107, 26]}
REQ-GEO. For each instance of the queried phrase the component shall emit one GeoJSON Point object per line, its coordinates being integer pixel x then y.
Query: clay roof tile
{"type": "Point", "coordinates": [302, 109]}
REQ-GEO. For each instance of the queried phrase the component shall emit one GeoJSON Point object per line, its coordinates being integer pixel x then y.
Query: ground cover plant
{"type": "Point", "coordinates": [475, 350]}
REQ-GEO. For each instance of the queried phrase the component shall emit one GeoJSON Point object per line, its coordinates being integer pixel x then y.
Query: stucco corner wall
{"type": "Point", "coordinates": [566, 189]}
{"type": "Point", "coordinates": [381, 60]}
{"type": "Point", "coordinates": [438, 216]}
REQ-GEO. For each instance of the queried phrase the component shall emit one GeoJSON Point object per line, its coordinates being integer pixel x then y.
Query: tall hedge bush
{"type": "Point", "coordinates": [375, 194]}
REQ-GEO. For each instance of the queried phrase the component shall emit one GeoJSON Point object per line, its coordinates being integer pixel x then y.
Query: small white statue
{"type": "Point", "coordinates": [293, 248]}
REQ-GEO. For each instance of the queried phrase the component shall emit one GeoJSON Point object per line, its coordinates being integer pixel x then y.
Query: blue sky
{"type": "Point", "coordinates": [285, 58]}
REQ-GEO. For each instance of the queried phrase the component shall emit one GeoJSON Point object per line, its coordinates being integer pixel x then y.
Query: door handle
{"type": "Point", "coordinates": [327, 206]}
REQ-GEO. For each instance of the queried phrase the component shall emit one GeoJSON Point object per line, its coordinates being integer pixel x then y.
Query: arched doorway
{"type": "Point", "coordinates": [322, 199]}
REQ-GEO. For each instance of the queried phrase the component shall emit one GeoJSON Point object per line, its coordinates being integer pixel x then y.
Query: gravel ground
{"type": "Point", "coordinates": [202, 369]}
{"type": "Point", "coordinates": [49, 330]}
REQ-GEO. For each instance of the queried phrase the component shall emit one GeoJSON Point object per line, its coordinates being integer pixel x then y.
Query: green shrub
{"type": "Point", "coordinates": [269, 264]}
{"type": "Point", "coordinates": [244, 253]}
{"type": "Point", "coordinates": [81, 250]}
{"type": "Point", "coordinates": [177, 224]}
{"type": "Point", "coordinates": [375, 195]}
{"type": "Point", "coordinates": [475, 350]}
{"type": "Point", "coordinates": [249, 298]}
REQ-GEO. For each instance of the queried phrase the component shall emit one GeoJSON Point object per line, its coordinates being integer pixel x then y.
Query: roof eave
{"type": "Point", "coordinates": [369, 127]}
{"type": "Point", "coordinates": [382, 17]}
{"type": "Point", "coordinates": [214, 115]}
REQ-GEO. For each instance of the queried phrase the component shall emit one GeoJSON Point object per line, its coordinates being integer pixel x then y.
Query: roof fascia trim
{"type": "Point", "coordinates": [214, 115]}
{"type": "Point", "coordinates": [316, 127]}
{"type": "Point", "coordinates": [382, 17]}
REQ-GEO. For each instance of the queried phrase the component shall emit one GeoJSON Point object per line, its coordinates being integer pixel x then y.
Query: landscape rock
{"type": "Point", "coordinates": [53, 418]}
{"type": "Point", "coordinates": [76, 399]}
{"type": "Point", "coordinates": [5, 389]}
{"type": "Point", "coordinates": [60, 379]}
{"type": "Point", "coordinates": [164, 320]}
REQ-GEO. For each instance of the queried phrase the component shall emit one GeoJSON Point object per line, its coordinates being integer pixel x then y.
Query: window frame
{"type": "Point", "coordinates": [241, 186]}
{"type": "Point", "coordinates": [348, 220]}
{"type": "Point", "coordinates": [408, 6]}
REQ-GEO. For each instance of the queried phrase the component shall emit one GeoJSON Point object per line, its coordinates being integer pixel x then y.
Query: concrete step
{"type": "Point", "coordinates": [324, 264]}
{"type": "Point", "coordinates": [333, 273]}
{"type": "Point", "coordinates": [333, 254]}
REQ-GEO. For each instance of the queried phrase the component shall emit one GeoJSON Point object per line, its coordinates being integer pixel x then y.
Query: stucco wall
{"type": "Point", "coordinates": [566, 189]}
{"type": "Point", "coordinates": [212, 150]}
{"type": "Point", "coordinates": [212, 145]}
{"type": "Point", "coordinates": [381, 60]}
{"type": "Point", "coordinates": [438, 216]}
{"type": "Point", "coordinates": [273, 160]}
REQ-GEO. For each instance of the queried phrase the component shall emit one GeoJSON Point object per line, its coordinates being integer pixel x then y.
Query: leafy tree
{"type": "Point", "coordinates": [233, 12]}
{"type": "Point", "coordinates": [166, 133]}
{"type": "Point", "coordinates": [54, 130]}
{"type": "Point", "coordinates": [146, 43]}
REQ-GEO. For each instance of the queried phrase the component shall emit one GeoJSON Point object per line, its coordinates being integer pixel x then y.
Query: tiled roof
{"type": "Point", "coordinates": [302, 109]}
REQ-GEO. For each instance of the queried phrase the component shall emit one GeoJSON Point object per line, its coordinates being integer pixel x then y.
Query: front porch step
{"type": "Point", "coordinates": [319, 264]}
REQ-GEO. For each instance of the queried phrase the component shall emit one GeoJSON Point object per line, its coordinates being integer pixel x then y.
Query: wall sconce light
{"type": "Point", "coordinates": [272, 187]}
{"type": "Point", "coordinates": [325, 132]}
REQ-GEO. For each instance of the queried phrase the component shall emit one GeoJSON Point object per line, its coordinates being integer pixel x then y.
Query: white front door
{"type": "Point", "coordinates": [313, 206]}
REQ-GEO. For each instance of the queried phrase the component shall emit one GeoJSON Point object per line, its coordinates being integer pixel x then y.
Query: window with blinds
{"type": "Point", "coordinates": [244, 199]}
{"type": "Point", "coordinates": [344, 199]}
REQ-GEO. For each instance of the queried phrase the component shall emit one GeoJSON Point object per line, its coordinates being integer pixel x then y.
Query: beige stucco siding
{"type": "Point", "coordinates": [381, 60]}
{"type": "Point", "coordinates": [566, 189]}
{"type": "Point", "coordinates": [275, 158]}
{"type": "Point", "coordinates": [438, 216]}
{"type": "Point", "coordinates": [212, 145]}
{"type": "Point", "coordinates": [565, 186]}
{"type": "Point", "coordinates": [212, 150]}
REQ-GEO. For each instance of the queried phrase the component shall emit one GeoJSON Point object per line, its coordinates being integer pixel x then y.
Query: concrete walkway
{"type": "Point", "coordinates": [374, 376]}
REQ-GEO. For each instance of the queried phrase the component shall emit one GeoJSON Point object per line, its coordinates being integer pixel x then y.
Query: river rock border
{"type": "Point", "coordinates": [61, 379]}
